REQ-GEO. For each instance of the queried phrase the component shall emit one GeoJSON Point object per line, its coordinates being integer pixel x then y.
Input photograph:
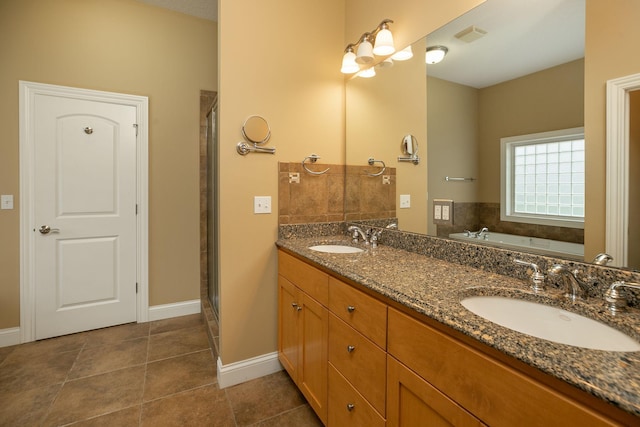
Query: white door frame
{"type": "Point", "coordinates": [617, 186]}
{"type": "Point", "coordinates": [28, 91]}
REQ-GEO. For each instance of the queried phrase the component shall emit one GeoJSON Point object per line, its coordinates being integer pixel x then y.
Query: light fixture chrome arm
{"type": "Point", "coordinates": [313, 158]}
{"type": "Point", "coordinates": [371, 162]}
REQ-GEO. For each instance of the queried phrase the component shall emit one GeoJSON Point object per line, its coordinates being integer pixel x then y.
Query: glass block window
{"type": "Point", "coordinates": [543, 178]}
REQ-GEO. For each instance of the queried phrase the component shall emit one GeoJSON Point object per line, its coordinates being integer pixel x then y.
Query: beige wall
{"type": "Point", "coordinates": [452, 115]}
{"type": "Point", "coordinates": [279, 59]}
{"type": "Point", "coordinates": [287, 70]}
{"type": "Point", "coordinates": [612, 34]}
{"type": "Point", "coordinates": [120, 46]}
{"type": "Point", "coordinates": [380, 112]}
{"type": "Point", "coordinates": [548, 100]}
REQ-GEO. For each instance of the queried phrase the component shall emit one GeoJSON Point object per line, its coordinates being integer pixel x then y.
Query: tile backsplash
{"type": "Point", "coordinates": [342, 192]}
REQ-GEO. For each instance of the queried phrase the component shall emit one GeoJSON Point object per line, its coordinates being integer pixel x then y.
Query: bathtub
{"type": "Point", "coordinates": [526, 244]}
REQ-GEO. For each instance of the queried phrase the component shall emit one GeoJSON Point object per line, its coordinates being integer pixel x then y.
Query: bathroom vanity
{"type": "Point", "coordinates": [380, 338]}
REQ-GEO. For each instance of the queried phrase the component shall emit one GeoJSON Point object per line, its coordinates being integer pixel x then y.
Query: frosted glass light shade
{"type": "Point", "coordinates": [365, 53]}
{"type": "Point", "coordinates": [367, 73]}
{"type": "Point", "coordinates": [349, 65]}
{"type": "Point", "coordinates": [384, 43]}
{"type": "Point", "coordinates": [403, 55]}
{"type": "Point", "coordinates": [435, 54]}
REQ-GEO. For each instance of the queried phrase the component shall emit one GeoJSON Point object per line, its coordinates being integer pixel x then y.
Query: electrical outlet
{"type": "Point", "coordinates": [405, 201]}
{"type": "Point", "coordinates": [262, 204]}
{"type": "Point", "coordinates": [386, 179]}
{"type": "Point", "coordinates": [294, 178]}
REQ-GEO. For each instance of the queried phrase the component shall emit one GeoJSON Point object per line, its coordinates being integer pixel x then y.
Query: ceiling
{"type": "Point", "coordinates": [206, 9]}
{"type": "Point", "coordinates": [523, 37]}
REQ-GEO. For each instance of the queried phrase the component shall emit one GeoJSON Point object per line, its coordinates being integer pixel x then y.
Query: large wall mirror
{"type": "Point", "coordinates": [517, 69]}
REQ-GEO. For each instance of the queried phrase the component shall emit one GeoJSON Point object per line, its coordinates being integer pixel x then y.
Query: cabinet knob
{"type": "Point", "coordinates": [351, 309]}
{"type": "Point", "coordinates": [350, 348]}
{"type": "Point", "coordinates": [350, 407]}
{"type": "Point", "coordinates": [296, 306]}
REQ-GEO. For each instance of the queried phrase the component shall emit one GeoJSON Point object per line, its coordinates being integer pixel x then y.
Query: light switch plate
{"type": "Point", "coordinates": [262, 204]}
{"type": "Point", "coordinates": [405, 201]}
{"type": "Point", "coordinates": [6, 201]}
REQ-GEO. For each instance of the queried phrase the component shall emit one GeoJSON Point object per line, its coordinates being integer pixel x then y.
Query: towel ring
{"type": "Point", "coordinates": [371, 162]}
{"type": "Point", "coordinates": [313, 158]}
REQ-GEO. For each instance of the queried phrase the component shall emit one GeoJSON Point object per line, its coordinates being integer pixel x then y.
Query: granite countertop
{"type": "Point", "coordinates": [434, 287]}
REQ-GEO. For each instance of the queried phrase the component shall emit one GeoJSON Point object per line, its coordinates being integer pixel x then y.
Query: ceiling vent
{"type": "Point", "coordinates": [470, 34]}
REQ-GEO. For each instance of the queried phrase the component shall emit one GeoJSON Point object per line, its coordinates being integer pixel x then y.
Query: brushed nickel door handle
{"type": "Point", "coordinates": [45, 229]}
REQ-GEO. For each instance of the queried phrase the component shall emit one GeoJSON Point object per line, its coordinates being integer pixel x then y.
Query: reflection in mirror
{"type": "Point", "coordinates": [256, 130]}
{"type": "Point", "coordinates": [474, 102]}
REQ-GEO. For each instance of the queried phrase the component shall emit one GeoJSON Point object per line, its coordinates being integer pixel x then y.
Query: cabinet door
{"type": "Point", "coordinates": [312, 375]}
{"type": "Point", "coordinates": [289, 303]}
{"type": "Point", "coordinates": [411, 401]}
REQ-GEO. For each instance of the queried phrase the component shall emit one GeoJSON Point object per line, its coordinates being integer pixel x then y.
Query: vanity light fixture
{"type": "Point", "coordinates": [384, 41]}
{"type": "Point", "coordinates": [403, 55]}
{"type": "Point", "coordinates": [349, 65]}
{"type": "Point", "coordinates": [365, 50]}
{"type": "Point", "coordinates": [435, 54]}
{"type": "Point", "coordinates": [378, 42]}
{"type": "Point", "coordinates": [367, 73]}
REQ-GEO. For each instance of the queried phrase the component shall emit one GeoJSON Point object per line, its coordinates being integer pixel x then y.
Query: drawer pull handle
{"type": "Point", "coordinates": [350, 407]}
{"type": "Point", "coordinates": [350, 348]}
{"type": "Point", "coordinates": [296, 306]}
{"type": "Point", "coordinates": [351, 309]}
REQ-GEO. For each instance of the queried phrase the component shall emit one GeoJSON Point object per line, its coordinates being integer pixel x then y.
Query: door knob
{"type": "Point", "coordinates": [45, 229]}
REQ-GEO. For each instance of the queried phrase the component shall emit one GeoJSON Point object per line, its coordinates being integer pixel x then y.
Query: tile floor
{"type": "Point", "coordinates": [161, 373]}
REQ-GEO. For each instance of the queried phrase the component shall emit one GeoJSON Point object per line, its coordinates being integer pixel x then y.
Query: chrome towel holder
{"type": "Point", "coordinates": [313, 158]}
{"type": "Point", "coordinates": [371, 162]}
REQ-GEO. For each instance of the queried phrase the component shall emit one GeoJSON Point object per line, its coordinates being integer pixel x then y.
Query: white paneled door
{"type": "Point", "coordinates": [84, 214]}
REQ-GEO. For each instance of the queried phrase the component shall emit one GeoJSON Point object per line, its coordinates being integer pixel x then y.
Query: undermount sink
{"type": "Point", "coordinates": [336, 249]}
{"type": "Point", "coordinates": [550, 323]}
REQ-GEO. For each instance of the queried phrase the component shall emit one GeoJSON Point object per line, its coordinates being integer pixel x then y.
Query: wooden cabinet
{"type": "Point", "coordinates": [492, 391]}
{"type": "Point", "coordinates": [361, 363]}
{"type": "Point", "coordinates": [347, 407]}
{"type": "Point", "coordinates": [411, 401]}
{"type": "Point", "coordinates": [357, 351]}
{"type": "Point", "coordinates": [303, 328]}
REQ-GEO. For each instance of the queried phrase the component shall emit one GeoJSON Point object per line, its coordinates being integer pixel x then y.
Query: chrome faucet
{"type": "Point", "coordinates": [602, 259]}
{"type": "Point", "coordinates": [575, 288]}
{"type": "Point", "coordinates": [357, 231]}
{"type": "Point", "coordinates": [477, 234]}
{"type": "Point", "coordinates": [537, 278]}
{"type": "Point", "coordinates": [615, 298]}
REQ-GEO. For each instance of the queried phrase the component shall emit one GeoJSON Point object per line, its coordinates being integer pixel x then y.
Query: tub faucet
{"type": "Point", "coordinates": [575, 288]}
{"type": "Point", "coordinates": [602, 259]}
{"type": "Point", "coordinates": [477, 234]}
{"type": "Point", "coordinates": [357, 231]}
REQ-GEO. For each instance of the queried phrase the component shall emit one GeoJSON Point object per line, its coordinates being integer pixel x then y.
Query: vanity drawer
{"type": "Point", "coordinates": [360, 361]}
{"type": "Point", "coordinates": [492, 391]}
{"type": "Point", "coordinates": [364, 313]}
{"type": "Point", "coordinates": [347, 407]}
{"type": "Point", "coordinates": [311, 280]}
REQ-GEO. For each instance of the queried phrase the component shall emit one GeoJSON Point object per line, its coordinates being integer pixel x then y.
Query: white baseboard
{"type": "Point", "coordinates": [166, 311]}
{"type": "Point", "coordinates": [249, 369]}
{"type": "Point", "coordinates": [9, 336]}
